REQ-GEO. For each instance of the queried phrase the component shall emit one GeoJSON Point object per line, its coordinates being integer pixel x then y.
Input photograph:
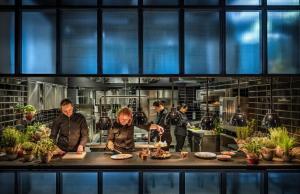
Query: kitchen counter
{"type": "Point", "coordinates": [100, 160]}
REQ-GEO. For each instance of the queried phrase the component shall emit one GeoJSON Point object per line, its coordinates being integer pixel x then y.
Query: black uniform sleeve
{"type": "Point", "coordinates": [84, 131]}
{"type": "Point", "coordinates": [55, 129]}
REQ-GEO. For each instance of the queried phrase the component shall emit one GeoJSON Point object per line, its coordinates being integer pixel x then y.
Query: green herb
{"type": "Point", "coordinates": [29, 109]}
{"type": "Point", "coordinates": [246, 131]}
{"type": "Point", "coordinates": [287, 143]}
{"type": "Point", "coordinates": [11, 137]}
{"type": "Point", "coordinates": [44, 146]}
{"type": "Point", "coordinates": [28, 146]}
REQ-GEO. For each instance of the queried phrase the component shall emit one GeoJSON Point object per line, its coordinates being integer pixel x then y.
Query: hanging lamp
{"type": "Point", "coordinates": [207, 122]}
{"type": "Point", "coordinates": [139, 117]}
{"type": "Point", "coordinates": [173, 117]}
{"type": "Point", "coordinates": [239, 118]}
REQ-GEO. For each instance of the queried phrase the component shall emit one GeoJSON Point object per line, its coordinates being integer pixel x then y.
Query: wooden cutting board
{"type": "Point", "coordinates": [74, 155]}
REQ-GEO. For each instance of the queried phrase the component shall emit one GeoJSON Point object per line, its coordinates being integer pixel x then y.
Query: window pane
{"type": "Point", "coordinates": [7, 183]}
{"type": "Point", "coordinates": [7, 2]}
{"type": "Point", "coordinates": [283, 183]}
{"type": "Point", "coordinates": [38, 2]}
{"type": "Point", "coordinates": [242, 2]}
{"type": "Point", "coordinates": [79, 42]}
{"type": "Point", "coordinates": [120, 42]}
{"type": "Point", "coordinates": [120, 2]}
{"type": "Point", "coordinates": [243, 43]}
{"type": "Point", "coordinates": [201, 2]}
{"type": "Point", "coordinates": [243, 183]}
{"type": "Point", "coordinates": [7, 43]}
{"type": "Point", "coordinates": [161, 42]}
{"type": "Point", "coordinates": [202, 42]}
{"type": "Point", "coordinates": [283, 2]}
{"type": "Point", "coordinates": [79, 2]}
{"type": "Point", "coordinates": [284, 42]}
{"type": "Point", "coordinates": [36, 183]}
{"type": "Point", "coordinates": [39, 44]}
{"type": "Point", "coordinates": [167, 183]}
{"type": "Point", "coordinates": [202, 183]}
{"type": "Point", "coordinates": [160, 2]}
{"type": "Point", "coordinates": [79, 183]}
{"type": "Point", "coordinates": [116, 182]}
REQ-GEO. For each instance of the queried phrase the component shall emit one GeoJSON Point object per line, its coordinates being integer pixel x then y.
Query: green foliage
{"type": "Point", "coordinates": [246, 131]}
{"type": "Point", "coordinates": [268, 143]}
{"type": "Point", "coordinates": [217, 125]}
{"type": "Point", "coordinates": [253, 146]}
{"type": "Point", "coordinates": [11, 137]}
{"type": "Point", "coordinates": [29, 109]}
{"type": "Point", "coordinates": [44, 146]}
{"type": "Point", "coordinates": [19, 108]}
{"type": "Point", "coordinates": [287, 143]}
{"type": "Point", "coordinates": [28, 146]}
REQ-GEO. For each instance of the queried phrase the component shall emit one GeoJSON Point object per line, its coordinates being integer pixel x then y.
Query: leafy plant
{"type": "Point", "coordinates": [11, 137]}
{"type": "Point", "coordinates": [277, 134]}
{"type": "Point", "coordinates": [252, 147]}
{"type": "Point", "coordinates": [246, 131]}
{"type": "Point", "coordinates": [29, 109]}
{"type": "Point", "coordinates": [217, 126]}
{"type": "Point", "coordinates": [268, 143]}
{"type": "Point", "coordinates": [19, 108]}
{"type": "Point", "coordinates": [28, 146]}
{"type": "Point", "coordinates": [287, 143]}
{"type": "Point", "coordinates": [45, 146]}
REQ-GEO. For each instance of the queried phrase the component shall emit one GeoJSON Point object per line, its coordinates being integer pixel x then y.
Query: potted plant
{"type": "Point", "coordinates": [44, 149]}
{"type": "Point", "coordinates": [19, 109]}
{"type": "Point", "coordinates": [29, 111]}
{"type": "Point", "coordinates": [10, 141]}
{"type": "Point", "coordinates": [252, 150]}
{"type": "Point", "coordinates": [276, 135]}
{"type": "Point", "coordinates": [286, 144]}
{"type": "Point", "coordinates": [243, 133]}
{"type": "Point", "coordinates": [268, 149]}
{"type": "Point", "coordinates": [28, 149]}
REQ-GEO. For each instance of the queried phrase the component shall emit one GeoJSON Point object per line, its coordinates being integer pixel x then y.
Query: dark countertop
{"type": "Point", "coordinates": [102, 161]}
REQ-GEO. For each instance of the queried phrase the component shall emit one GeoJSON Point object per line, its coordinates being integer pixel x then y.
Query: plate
{"type": "Point", "coordinates": [223, 157]}
{"type": "Point", "coordinates": [164, 156]}
{"type": "Point", "coordinates": [205, 155]}
{"type": "Point", "coordinates": [2, 154]}
{"type": "Point", "coordinates": [229, 153]}
{"type": "Point", "coordinates": [121, 156]}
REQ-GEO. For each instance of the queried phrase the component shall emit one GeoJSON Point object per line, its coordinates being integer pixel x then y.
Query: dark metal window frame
{"type": "Point", "coordinates": [222, 8]}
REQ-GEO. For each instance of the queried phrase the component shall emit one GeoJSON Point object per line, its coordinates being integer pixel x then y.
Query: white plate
{"type": "Point", "coordinates": [205, 155]}
{"type": "Point", "coordinates": [2, 154]}
{"type": "Point", "coordinates": [121, 156]}
{"type": "Point", "coordinates": [223, 157]}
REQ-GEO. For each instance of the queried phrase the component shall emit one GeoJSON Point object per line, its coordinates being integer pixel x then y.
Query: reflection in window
{"type": "Point", "coordinates": [242, 2]}
{"type": "Point", "coordinates": [7, 2]}
{"type": "Point", "coordinates": [36, 183]}
{"type": "Point", "coordinates": [115, 183]}
{"type": "Point", "coordinates": [39, 44]}
{"type": "Point", "coordinates": [120, 2]}
{"type": "Point", "coordinates": [243, 43]}
{"type": "Point", "coordinates": [120, 42]}
{"type": "Point", "coordinates": [201, 2]}
{"type": "Point", "coordinates": [283, 2]}
{"type": "Point", "coordinates": [79, 42]}
{"type": "Point", "coordinates": [161, 42]}
{"type": "Point", "coordinates": [38, 2]}
{"type": "Point", "coordinates": [284, 42]}
{"type": "Point", "coordinates": [283, 183]}
{"type": "Point", "coordinates": [202, 42]}
{"type": "Point", "coordinates": [167, 183]}
{"type": "Point", "coordinates": [79, 183]}
{"type": "Point", "coordinates": [7, 43]}
{"type": "Point", "coordinates": [79, 2]}
{"type": "Point", "coordinates": [160, 2]}
{"type": "Point", "coordinates": [7, 182]}
{"type": "Point", "coordinates": [202, 183]}
{"type": "Point", "coordinates": [243, 183]}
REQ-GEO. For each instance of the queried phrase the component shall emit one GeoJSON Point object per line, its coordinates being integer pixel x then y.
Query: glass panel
{"type": "Point", "coordinates": [201, 2]}
{"type": "Point", "coordinates": [7, 2]}
{"type": "Point", "coordinates": [120, 2]}
{"type": "Point", "coordinates": [7, 42]}
{"type": "Point", "coordinates": [283, 2]}
{"type": "Point", "coordinates": [160, 2]}
{"type": "Point", "coordinates": [283, 183]}
{"type": "Point", "coordinates": [79, 2]}
{"type": "Point", "coordinates": [79, 183]}
{"type": "Point", "coordinates": [161, 42]}
{"type": "Point", "coordinates": [284, 42]}
{"type": "Point", "coordinates": [7, 183]}
{"type": "Point", "coordinates": [243, 43]}
{"type": "Point", "coordinates": [167, 183]}
{"type": "Point", "coordinates": [120, 43]}
{"type": "Point", "coordinates": [120, 182]}
{"type": "Point", "coordinates": [36, 183]}
{"type": "Point", "coordinates": [243, 183]}
{"type": "Point", "coordinates": [202, 183]}
{"type": "Point", "coordinates": [202, 43]}
{"type": "Point", "coordinates": [242, 2]}
{"type": "Point", "coordinates": [38, 2]}
{"type": "Point", "coordinates": [79, 42]}
{"type": "Point", "coordinates": [39, 44]}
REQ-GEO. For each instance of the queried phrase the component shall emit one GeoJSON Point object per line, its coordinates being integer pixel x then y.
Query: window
{"type": "Point", "coordinates": [38, 2]}
{"type": "Point", "coordinates": [161, 45]}
{"type": "Point", "coordinates": [242, 2]}
{"type": "Point", "coordinates": [7, 43]}
{"type": "Point", "coordinates": [284, 42]}
{"type": "Point", "coordinates": [164, 182]}
{"type": "Point", "coordinates": [120, 2]}
{"type": "Point", "coordinates": [116, 182]}
{"type": "Point", "coordinates": [283, 2]}
{"type": "Point", "coordinates": [201, 2]}
{"type": "Point", "coordinates": [36, 183]}
{"type": "Point", "coordinates": [243, 183]}
{"type": "Point", "coordinates": [79, 42]}
{"type": "Point", "coordinates": [202, 42]}
{"type": "Point", "coordinates": [77, 183]}
{"type": "Point", "coordinates": [243, 43]}
{"type": "Point", "coordinates": [39, 44]}
{"type": "Point", "coordinates": [160, 2]}
{"type": "Point", "coordinates": [120, 42]}
{"type": "Point", "coordinates": [7, 2]}
{"type": "Point", "coordinates": [79, 2]}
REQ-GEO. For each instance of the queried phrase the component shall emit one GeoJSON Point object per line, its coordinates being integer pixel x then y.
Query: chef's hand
{"type": "Point", "coordinates": [80, 149]}
{"type": "Point", "coordinates": [110, 145]}
{"type": "Point", "coordinates": [157, 128]}
{"type": "Point", "coordinates": [58, 151]}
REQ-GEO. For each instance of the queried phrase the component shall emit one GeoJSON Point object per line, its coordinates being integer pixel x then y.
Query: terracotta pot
{"type": "Point", "coordinates": [267, 154]}
{"type": "Point", "coordinates": [278, 152]}
{"type": "Point", "coordinates": [252, 158]}
{"type": "Point", "coordinates": [28, 157]}
{"type": "Point", "coordinates": [287, 157]}
{"type": "Point", "coordinates": [11, 153]}
{"type": "Point", "coordinates": [20, 153]}
{"type": "Point", "coordinates": [29, 116]}
{"type": "Point", "coordinates": [46, 158]}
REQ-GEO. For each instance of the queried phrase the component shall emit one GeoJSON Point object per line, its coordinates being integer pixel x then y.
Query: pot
{"type": "Point", "coordinates": [46, 158]}
{"type": "Point", "coordinates": [267, 154]}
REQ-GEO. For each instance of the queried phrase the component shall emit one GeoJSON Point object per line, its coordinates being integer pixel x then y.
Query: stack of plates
{"type": "Point", "coordinates": [205, 155]}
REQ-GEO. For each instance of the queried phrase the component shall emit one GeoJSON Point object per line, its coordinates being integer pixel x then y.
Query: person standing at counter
{"type": "Point", "coordinates": [181, 129]}
{"type": "Point", "coordinates": [69, 129]}
{"type": "Point", "coordinates": [162, 113]}
{"type": "Point", "coordinates": [121, 135]}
